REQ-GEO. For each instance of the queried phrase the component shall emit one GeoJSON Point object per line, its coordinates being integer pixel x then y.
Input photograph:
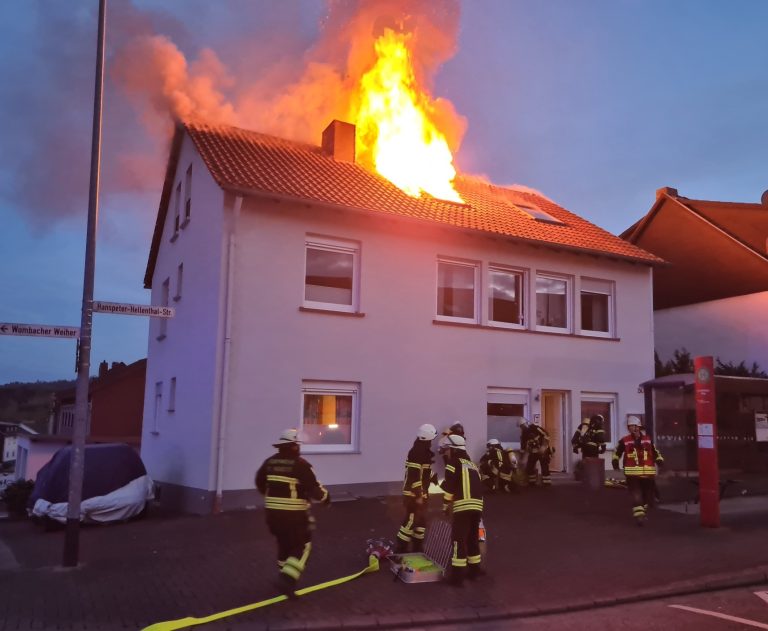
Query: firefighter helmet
{"type": "Point", "coordinates": [288, 437]}
{"type": "Point", "coordinates": [633, 420]}
{"type": "Point", "coordinates": [456, 428]}
{"type": "Point", "coordinates": [455, 441]}
{"type": "Point", "coordinates": [426, 432]}
{"type": "Point", "coordinates": [493, 441]}
{"type": "Point", "coordinates": [523, 421]}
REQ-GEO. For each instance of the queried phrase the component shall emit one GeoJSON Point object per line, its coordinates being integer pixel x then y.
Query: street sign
{"type": "Point", "coordinates": [122, 308]}
{"type": "Point", "coordinates": [39, 330]}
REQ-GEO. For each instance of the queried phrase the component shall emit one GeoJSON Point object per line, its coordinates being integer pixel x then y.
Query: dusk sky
{"type": "Point", "coordinates": [595, 103]}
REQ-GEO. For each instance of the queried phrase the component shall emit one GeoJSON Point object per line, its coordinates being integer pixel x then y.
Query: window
{"type": "Point", "coordinates": [179, 281]}
{"type": "Point", "coordinates": [329, 413]}
{"type": "Point", "coordinates": [164, 299]}
{"type": "Point", "coordinates": [187, 196]}
{"type": "Point", "coordinates": [158, 406]}
{"type": "Point", "coordinates": [331, 275]}
{"type": "Point", "coordinates": [596, 307]}
{"type": "Point", "coordinates": [176, 211]}
{"type": "Point", "coordinates": [456, 298]}
{"type": "Point", "coordinates": [539, 214]}
{"type": "Point", "coordinates": [172, 395]}
{"type": "Point", "coordinates": [605, 404]}
{"type": "Point", "coordinates": [505, 297]}
{"type": "Point", "coordinates": [552, 303]}
{"type": "Point", "coordinates": [505, 408]}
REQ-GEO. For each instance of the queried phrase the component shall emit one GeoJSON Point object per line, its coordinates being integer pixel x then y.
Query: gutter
{"type": "Point", "coordinates": [221, 425]}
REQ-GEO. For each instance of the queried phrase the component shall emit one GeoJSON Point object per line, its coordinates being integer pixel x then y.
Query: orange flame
{"type": "Point", "coordinates": [396, 134]}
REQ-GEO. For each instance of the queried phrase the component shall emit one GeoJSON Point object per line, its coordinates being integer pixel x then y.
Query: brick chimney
{"type": "Point", "coordinates": [339, 141]}
{"type": "Point", "coordinates": [103, 368]}
{"type": "Point", "coordinates": [666, 190]}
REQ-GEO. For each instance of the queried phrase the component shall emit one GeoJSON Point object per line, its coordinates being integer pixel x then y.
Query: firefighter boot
{"type": "Point", "coordinates": [286, 585]}
{"type": "Point", "coordinates": [474, 571]}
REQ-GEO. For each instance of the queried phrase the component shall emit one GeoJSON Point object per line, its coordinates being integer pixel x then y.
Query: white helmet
{"type": "Point", "coordinates": [633, 420]}
{"type": "Point", "coordinates": [426, 432]}
{"type": "Point", "coordinates": [494, 441]}
{"type": "Point", "coordinates": [523, 421]}
{"type": "Point", "coordinates": [287, 437]}
{"type": "Point", "coordinates": [455, 441]}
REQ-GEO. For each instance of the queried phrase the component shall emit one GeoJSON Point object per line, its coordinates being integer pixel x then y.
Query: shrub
{"type": "Point", "coordinates": [16, 495]}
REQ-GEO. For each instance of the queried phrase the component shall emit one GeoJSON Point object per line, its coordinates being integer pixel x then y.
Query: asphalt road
{"type": "Point", "coordinates": [726, 610]}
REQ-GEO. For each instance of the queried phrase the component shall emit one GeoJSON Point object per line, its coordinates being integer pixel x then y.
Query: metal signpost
{"type": "Point", "coordinates": [706, 431]}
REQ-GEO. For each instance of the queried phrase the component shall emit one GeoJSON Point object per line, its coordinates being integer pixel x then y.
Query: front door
{"type": "Point", "coordinates": [553, 407]}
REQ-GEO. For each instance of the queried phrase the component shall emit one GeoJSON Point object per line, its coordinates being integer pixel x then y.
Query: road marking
{"type": "Point", "coordinates": [763, 595]}
{"type": "Point", "coordinates": [722, 616]}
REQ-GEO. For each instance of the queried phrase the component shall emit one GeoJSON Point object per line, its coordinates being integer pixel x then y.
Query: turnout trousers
{"type": "Point", "coordinates": [641, 490]}
{"type": "Point", "coordinates": [413, 528]}
{"type": "Point", "coordinates": [293, 531]}
{"type": "Point", "coordinates": [466, 545]}
{"type": "Point", "coordinates": [530, 469]}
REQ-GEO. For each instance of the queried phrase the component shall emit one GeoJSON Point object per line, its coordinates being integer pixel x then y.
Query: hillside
{"type": "Point", "coordinates": [30, 403]}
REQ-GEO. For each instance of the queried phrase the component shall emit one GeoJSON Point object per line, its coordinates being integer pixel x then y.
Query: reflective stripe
{"type": "Point", "coordinates": [474, 559]}
{"type": "Point", "coordinates": [285, 503]}
{"type": "Point", "coordinates": [469, 504]}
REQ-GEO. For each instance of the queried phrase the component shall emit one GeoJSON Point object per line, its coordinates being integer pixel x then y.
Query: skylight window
{"type": "Point", "coordinates": [539, 214]}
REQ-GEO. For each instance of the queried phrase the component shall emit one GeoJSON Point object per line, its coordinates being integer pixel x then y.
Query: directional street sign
{"type": "Point", "coordinates": [121, 308]}
{"type": "Point", "coordinates": [39, 330]}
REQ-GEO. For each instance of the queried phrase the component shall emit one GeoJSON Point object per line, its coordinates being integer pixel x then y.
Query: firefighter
{"type": "Point", "coordinates": [418, 477]}
{"type": "Point", "coordinates": [288, 483]}
{"type": "Point", "coordinates": [593, 443]}
{"type": "Point", "coordinates": [640, 461]}
{"type": "Point", "coordinates": [463, 500]}
{"type": "Point", "coordinates": [577, 441]}
{"type": "Point", "coordinates": [534, 441]}
{"type": "Point", "coordinates": [497, 466]}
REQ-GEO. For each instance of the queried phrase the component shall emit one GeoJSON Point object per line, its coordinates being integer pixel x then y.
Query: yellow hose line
{"type": "Point", "coordinates": [183, 623]}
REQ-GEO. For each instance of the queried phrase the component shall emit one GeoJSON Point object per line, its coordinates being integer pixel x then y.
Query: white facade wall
{"type": "Point", "coordinates": [411, 370]}
{"type": "Point", "coordinates": [732, 329]}
{"type": "Point", "coordinates": [33, 455]}
{"type": "Point", "coordinates": [176, 445]}
{"type": "Point", "coordinates": [9, 448]}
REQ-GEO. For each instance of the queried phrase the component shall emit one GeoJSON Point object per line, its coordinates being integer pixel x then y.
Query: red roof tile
{"type": "Point", "coordinates": [251, 162]}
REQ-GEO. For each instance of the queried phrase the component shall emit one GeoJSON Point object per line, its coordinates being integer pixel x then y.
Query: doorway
{"type": "Point", "coordinates": [553, 410]}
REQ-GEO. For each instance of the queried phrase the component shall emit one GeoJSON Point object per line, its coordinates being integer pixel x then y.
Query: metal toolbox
{"type": "Point", "coordinates": [430, 565]}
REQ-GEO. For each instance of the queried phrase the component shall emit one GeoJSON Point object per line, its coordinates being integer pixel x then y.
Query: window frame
{"type": "Point", "coordinates": [612, 399]}
{"type": "Point", "coordinates": [476, 300]}
{"type": "Point", "coordinates": [342, 246]}
{"type": "Point", "coordinates": [523, 299]}
{"type": "Point", "coordinates": [325, 388]}
{"type": "Point", "coordinates": [514, 396]}
{"type": "Point", "coordinates": [568, 303]}
{"type": "Point", "coordinates": [179, 281]}
{"type": "Point", "coordinates": [172, 395]}
{"type": "Point", "coordinates": [158, 406]}
{"type": "Point", "coordinates": [187, 196]}
{"type": "Point", "coordinates": [165, 298]}
{"type": "Point", "coordinates": [611, 315]}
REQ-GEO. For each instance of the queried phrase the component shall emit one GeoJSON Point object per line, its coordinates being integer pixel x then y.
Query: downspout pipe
{"type": "Point", "coordinates": [225, 360]}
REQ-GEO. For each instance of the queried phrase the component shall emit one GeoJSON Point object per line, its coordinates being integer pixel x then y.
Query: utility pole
{"type": "Point", "coordinates": [77, 463]}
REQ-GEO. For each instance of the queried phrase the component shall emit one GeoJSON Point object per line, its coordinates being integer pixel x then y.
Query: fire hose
{"type": "Point", "coordinates": [183, 623]}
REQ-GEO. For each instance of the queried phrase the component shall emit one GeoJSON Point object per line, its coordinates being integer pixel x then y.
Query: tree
{"type": "Point", "coordinates": [682, 363]}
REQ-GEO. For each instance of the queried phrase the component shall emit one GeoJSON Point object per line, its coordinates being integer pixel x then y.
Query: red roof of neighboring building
{"type": "Point", "coordinates": [252, 163]}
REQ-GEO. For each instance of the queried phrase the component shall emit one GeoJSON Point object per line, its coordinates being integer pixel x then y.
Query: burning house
{"type": "Point", "coordinates": [357, 287]}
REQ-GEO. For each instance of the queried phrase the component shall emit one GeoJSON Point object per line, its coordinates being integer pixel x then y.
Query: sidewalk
{"type": "Point", "coordinates": [548, 550]}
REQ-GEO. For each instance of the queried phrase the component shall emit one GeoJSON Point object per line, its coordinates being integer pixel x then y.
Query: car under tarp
{"type": "Point", "coordinates": [115, 484]}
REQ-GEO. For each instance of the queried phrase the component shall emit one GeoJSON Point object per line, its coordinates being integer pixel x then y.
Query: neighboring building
{"type": "Point", "coordinates": [712, 298]}
{"type": "Point", "coordinates": [311, 292]}
{"type": "Point", "coordinates": [9, 435]}
{"type": "Point", "coordinates": [116, 403]}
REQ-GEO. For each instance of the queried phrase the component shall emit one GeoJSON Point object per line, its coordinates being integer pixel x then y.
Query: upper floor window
{"type": "Point", "coordinates": [596, 307]}
{"type": "Point", "coordinates": [505, 297]}
{"type": "Point", "coordinates": [187, 196]}
{"type": "Point", "coordinates": [172, 395]}
{"type": "Point", "coordinates": [552, 303]}
{"type": "Point", "coordinates": [164, 298]}
{"type": "Point", "coordinates": [331, 274]}
{"type": "Point", "coordinates": [329, 416]}
{"type": "Point", "coordinates": [158, 407]}
{"type": "Point", "coordinates": [176, 211]}
{"type": "Point", "coordinates": [456, 296]}
{"type": "Point", "coordinates": [179, 282]}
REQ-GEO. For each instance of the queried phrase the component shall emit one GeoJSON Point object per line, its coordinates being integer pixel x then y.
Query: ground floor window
{"type": "Point", "coordinates": [505, 408]}
{"type": "Point", "coordinates": [329, 413]}
{"type": "Point", "coordinates": [601, 403]}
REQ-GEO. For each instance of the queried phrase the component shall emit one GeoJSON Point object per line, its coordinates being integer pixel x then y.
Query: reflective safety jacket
{"type": "Point", "coordinates": [462, 487]}
{"type": "Point", "coordinates": [640, 455]}
{"type": "Point", "coordinates": [288, 482]}
{"type": "Point", "coordinates": [535, 439]}
{"type": "Point", "coordinates": [593, 442]}
{"type": "Point", "coordinates": [418, 470]}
